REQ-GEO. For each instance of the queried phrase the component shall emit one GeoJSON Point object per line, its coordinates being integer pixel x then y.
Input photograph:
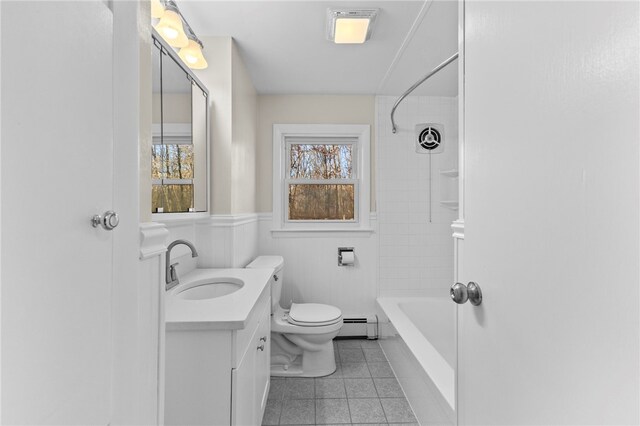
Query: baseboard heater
{"type": "Point", "coordinates": [360, 327]}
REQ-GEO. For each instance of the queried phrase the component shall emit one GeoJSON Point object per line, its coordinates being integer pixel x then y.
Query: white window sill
{"type": "Point", "coordinates": [322, 233]}
{"type": "Point", "coordinates": [178, 217]}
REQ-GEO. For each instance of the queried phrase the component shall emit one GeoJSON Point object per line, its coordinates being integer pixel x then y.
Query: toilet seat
{"type": "Point", "coordinates": [313, 314]}
{"type": "Point", "coordinates": [281, 323]}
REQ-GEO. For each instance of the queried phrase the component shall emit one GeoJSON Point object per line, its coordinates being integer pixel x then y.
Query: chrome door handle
{"type": "Point", "coordinates": [109, 220]}
{"type": "Point", "coordinates": [475, 294]}
{"type": "Point", "coordinates": [460, 293]}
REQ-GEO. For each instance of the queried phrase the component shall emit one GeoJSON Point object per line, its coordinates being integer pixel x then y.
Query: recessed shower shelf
{"type": "Point", "coordinates": [453, 205]}
{"type": "Point", "coordinates": [449, 173]}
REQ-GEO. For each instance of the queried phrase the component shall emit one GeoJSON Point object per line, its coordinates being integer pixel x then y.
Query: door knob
{"type": "Point", "coordinates": [108, 221]}
{"type": "Point", "coordinates": [475, 294]}
{"type": "Point", "coordinates": [460, 293]}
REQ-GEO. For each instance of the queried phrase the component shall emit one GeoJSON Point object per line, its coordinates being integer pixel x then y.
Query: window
{"type": "Point", "coordinates": [321, 181]}
{"type": "Point", "coordinates": [321, 177]}
{"type": "Point", "coordinates": [172, 170]}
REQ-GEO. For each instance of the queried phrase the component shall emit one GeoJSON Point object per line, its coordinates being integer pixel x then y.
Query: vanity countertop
{"type": "Point", "coordinates": [229, 312]}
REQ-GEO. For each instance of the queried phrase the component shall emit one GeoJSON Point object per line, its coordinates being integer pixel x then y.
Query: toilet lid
{"type": "Point", "coordinates": [313, 314]}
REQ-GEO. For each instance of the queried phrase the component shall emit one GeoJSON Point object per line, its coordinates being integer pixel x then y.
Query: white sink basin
{"type": "Point", "coordinates": [211, 288]}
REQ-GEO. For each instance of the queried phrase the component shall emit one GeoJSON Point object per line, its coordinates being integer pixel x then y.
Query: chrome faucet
{"type": "Point", "coordinates": [171, 274]}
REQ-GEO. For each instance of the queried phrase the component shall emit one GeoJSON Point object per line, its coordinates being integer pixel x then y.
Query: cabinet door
{"type": "Point", "coordinates": [243, 389]}
{"type": "Point", "coordinates": [263, 363]}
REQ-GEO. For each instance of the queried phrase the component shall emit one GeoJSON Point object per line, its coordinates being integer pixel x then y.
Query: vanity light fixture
{"type": "Point", "coordinates": [157, 9]}
{"type": "Point", "coordinates": [191, 54]}
{"type": "Point", "coordinates": [170, 26]}
{"type": "Point", "coordinates": [350, 26]}
{"type": "Point", "coordinates": [176, 31]}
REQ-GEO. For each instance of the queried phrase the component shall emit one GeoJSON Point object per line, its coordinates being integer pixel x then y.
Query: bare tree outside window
{"type": "Point", "coordinates": [172, 164]}
{"type": "Point", "coordinates": [309, 197]}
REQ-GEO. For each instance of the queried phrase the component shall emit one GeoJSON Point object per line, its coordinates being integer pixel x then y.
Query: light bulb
{"type": "Point", "coordinates": [170, 33]}
{"type": "Point", "coordinates": [171, 29]}
{"type": "Point", "coordinates": [157, 9]}
{"type": "Point", "coordinates": [192, 55]}
{"type": "Point", "coordinates": [351, 31]}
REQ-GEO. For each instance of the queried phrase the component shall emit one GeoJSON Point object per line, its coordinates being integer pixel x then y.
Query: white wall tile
{"type": "Point", "coordinates": [415, 255]}
{"type": "Point", "coordinates": [312, 274]}
{"type": "Point", "coordinates": [223, 241]}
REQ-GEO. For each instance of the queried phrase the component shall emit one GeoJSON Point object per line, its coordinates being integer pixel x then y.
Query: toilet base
{"type": "Point", "coordinates": [317, 363]}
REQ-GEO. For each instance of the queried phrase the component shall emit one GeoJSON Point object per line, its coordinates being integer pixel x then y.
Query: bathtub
{"type": "Point", "coordinates": [419, 341]}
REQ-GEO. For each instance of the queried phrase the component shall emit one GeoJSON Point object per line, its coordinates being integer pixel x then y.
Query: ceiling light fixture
{"type": "Point", "coordinates": [170, 26]}
{"type": "Point", "coordinates": [350, 26]}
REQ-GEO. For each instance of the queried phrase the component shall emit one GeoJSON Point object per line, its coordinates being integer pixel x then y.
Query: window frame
{"type": "Point", "coordinates": [284, 135]}
{"type": "Point", "coordinates": [174, 134]}
{"type": "Point", "coordinates": [173, 130]}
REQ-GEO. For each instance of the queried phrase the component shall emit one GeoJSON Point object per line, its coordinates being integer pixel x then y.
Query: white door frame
{"type": "Point", "coordinates": [127, 388]}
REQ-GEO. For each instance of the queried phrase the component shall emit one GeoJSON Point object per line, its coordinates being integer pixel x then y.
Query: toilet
{"type": "Point", "coordinates": [302, 336]}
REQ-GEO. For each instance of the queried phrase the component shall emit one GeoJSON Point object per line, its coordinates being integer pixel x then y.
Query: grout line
{"type": "Point", "coordinates": [281, 408]}
{"type": "Point", "coordinates": [377, 397]}
{"type": "Point", "coordinates": [347, 398]}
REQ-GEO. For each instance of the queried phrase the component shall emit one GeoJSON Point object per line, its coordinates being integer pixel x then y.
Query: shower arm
{"type": "Point", "coordinates": [418, 83]}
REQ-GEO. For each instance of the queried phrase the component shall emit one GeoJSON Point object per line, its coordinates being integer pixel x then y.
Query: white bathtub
{"type": "Point", "coordinates": [421, 340]}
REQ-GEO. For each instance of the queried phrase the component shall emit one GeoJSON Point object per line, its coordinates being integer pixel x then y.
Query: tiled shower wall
{"type": "Point", "coordinates": [415, 253]}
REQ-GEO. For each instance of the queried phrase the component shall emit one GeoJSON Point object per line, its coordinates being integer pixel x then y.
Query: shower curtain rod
{"type": "Point", "coordinates": [418, 83]}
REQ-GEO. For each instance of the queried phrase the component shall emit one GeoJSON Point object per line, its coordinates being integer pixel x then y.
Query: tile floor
{"type": "Point", "coordinates": [363, 390]}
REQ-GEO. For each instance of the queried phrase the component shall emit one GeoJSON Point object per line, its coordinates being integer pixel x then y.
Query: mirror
{"type": "Point", "coordinates": [179, 151]}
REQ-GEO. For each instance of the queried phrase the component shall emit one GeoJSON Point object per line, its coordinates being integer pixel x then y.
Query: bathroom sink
{"type": "Point", "coordinates": [210, 289]}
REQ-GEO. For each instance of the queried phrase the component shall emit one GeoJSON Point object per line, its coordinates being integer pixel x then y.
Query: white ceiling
{"type": "Point", "coordinates": [284, 46]}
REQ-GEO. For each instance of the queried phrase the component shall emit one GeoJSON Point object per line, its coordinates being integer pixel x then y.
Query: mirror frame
{"type": "Point", "coordinates": [158, 43]}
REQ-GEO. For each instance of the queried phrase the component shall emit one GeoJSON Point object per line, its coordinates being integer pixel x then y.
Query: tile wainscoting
{"type": "Point", "coordinates": [312, 274]}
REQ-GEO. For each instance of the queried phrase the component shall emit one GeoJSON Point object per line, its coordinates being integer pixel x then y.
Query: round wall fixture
{"type": "Point", "coordinates": [429, 138]}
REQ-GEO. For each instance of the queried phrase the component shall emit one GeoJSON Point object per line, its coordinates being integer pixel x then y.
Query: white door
{"type": "Point", "coordinates": [551, 104]}
{"type": "Point", "coordinates": [57, 125]}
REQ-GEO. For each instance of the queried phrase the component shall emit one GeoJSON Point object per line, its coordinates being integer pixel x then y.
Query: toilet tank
{"type": "Point", "coordinates": [276, 263]}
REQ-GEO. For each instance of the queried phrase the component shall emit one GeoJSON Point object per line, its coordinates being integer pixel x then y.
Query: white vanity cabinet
{"type": "Point", "coordinates": [217, 376]}
{"type": "Point", "coordinates": [250, 379]}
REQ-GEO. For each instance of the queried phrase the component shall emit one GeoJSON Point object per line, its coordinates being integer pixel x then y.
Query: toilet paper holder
{"type": "Point", "coordinates": [349, 253]}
